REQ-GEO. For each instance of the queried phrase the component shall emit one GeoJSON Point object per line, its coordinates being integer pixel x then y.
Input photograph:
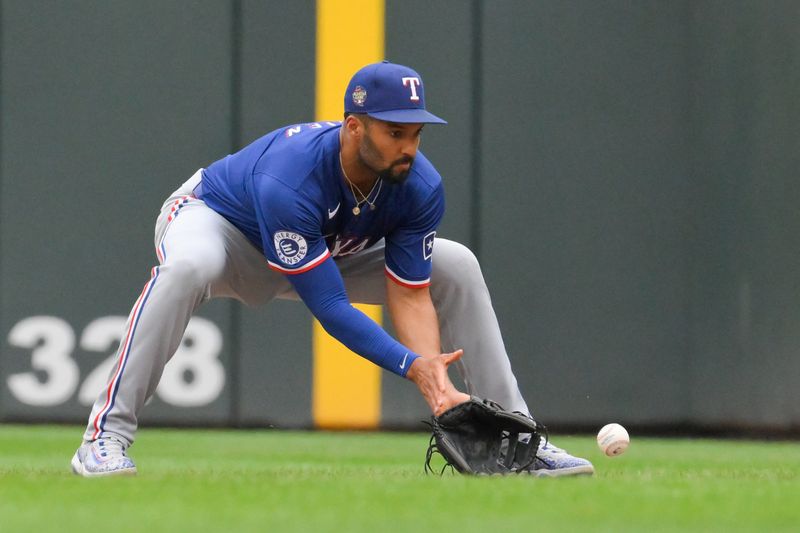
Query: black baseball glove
{"type": "Point", "coordinates": [480, 437]}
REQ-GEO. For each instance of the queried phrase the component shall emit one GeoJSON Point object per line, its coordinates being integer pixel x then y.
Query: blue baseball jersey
{"type": "Point", "coordinates": [287, 193]}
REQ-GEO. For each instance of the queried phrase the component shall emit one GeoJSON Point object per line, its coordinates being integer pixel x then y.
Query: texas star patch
{"type": "Point", "coordinates": [427, 245]}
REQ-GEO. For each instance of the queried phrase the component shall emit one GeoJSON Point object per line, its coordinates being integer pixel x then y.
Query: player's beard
{"type": "Point", "coordinates": [369, 152]}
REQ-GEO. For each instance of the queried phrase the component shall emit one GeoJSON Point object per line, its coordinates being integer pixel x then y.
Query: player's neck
{"type": "Point", "coordinates": [359, 175]}
{"type": "Point", "coordinates": [354, 169]}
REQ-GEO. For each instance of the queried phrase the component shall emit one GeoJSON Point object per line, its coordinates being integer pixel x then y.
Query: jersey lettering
{"type": "Point", "coordinates": [348, 246]}
{"type": "Point", "coordinates": [294, 130]}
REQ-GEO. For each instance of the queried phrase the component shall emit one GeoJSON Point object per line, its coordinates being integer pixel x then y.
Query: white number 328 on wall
{"type": "Point", "coordinates": [52, 341]}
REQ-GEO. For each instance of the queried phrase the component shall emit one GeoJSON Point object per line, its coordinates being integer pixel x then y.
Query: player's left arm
{"type": "Point", "coordinates": [409, 250]}
{"type": "Point", "coordinates": [409, 263]}
{"type": "Point", "coordinates": [417, 327]}
{"type": "Point", "coordinates": [414, 318]}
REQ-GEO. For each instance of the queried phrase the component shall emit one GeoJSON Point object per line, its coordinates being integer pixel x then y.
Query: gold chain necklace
{"type": "Point", "coordinates": [354, 188]}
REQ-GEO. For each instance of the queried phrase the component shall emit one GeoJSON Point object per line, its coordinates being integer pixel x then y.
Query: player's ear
{"type": "Point", "coordinates": [354, 125]}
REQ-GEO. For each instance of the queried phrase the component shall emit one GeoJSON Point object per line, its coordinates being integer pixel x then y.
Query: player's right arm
{"type": "Point", "coordinates": [322, 289]}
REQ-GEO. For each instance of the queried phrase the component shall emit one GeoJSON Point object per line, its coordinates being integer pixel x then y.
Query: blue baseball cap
{"type": "Point", "coordinates": [389, 92]}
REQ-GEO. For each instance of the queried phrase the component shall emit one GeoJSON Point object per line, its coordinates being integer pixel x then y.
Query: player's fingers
{"type": "Point", "coordinates": [453, 357]}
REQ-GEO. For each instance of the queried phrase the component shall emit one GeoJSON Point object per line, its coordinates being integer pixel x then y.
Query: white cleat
{"type": "Point", "coordinates": [552, 461]}
{"type": "Point", "coordinates": [102, 457]}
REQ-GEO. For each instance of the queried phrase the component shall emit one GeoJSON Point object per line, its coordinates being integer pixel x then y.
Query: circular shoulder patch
{"type": "Point", "coordinates": [291, 247]}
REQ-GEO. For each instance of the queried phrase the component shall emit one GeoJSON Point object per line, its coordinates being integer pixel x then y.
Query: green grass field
{"type": "Point", "coordinates": [195, 480]}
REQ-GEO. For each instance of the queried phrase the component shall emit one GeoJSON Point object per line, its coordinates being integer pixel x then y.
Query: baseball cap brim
{"type": "Point", "coordinates": [407, 116]}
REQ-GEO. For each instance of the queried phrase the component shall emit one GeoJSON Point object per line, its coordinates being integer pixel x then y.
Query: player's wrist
{"type": "Point", "coordinates": [411, 370]}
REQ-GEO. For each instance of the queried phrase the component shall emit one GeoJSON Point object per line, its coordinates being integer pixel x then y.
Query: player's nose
{"type": "Point", "coordinates": [409, 149]}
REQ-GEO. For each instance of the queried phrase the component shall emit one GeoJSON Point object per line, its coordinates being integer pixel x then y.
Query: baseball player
{"type": "Point", "coordinates": [330, 213]}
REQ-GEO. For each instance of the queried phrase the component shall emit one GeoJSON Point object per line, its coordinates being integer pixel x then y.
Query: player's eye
{"type": "Point", "coordinates": [395, 134]}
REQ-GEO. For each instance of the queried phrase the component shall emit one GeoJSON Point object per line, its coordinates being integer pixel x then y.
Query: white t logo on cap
{"type": "Point", "coordinates": [413, 83]}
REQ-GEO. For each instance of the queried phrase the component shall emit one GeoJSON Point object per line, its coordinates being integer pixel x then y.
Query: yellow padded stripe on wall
{"type": "Point", "coordinates": [346, 387]}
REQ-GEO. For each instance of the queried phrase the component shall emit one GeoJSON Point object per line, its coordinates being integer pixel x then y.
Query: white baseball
{"type": "Point", "coordinates": [613, 439]}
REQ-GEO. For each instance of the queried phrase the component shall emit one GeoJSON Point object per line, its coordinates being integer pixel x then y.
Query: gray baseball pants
{"type": "Point", "coordinates": [203, 256]}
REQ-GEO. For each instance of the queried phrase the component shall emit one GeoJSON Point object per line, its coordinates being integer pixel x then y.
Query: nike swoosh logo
{"type": "Point", "coordinates": [403, 363]}
{"type": "Point", "coordinates": [332, 214]}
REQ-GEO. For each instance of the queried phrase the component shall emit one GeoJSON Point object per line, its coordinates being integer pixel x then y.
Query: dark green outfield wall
{"type": "Point", "coordinates": [626, 172]}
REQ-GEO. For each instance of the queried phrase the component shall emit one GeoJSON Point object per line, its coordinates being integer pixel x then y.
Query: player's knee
{"type": "Point", "coordinates": [454, 262]}
{"type": "Point", "coordinates": [195, 272]}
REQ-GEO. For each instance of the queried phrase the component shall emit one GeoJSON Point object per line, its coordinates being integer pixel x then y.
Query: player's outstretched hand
{"type": "Point", "coordinates": [430, 376]}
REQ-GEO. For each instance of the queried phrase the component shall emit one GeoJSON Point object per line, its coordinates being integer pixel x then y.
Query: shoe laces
{"type": "Point", "coordinates": [110, 447]}
{"type": "Point", "coordinates": [550, 447]}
